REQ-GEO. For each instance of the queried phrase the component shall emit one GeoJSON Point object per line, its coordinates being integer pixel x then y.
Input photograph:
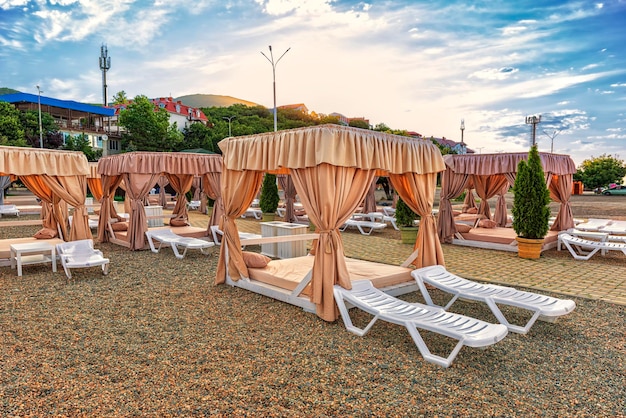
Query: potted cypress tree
{"type": "Point", "coordinates": [268, 201]}
{"type": "Point", "coordinates": [405, 219]}
{"type": "Point", "coordinates": [531, 211]}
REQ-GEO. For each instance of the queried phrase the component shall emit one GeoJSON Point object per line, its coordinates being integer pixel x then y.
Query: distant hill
{"type": "Point", "coordinates": [6, 90]}
{"type": "Point", "coordinates": [212, 100]}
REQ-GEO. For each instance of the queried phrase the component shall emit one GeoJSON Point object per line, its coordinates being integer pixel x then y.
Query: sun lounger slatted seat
{"type": "Point", "coordinates": [584, 249]}
{"type": "Point", "coordinates": [364, 227]}
{"type": "Point", "coordinates": [167, 238]}
{"type": "Point", "coordinates": [544, 307]}
{"type": "Point", "coordinates": [468, 331]}
{"type": "Point", "coordinates": [81, 254]}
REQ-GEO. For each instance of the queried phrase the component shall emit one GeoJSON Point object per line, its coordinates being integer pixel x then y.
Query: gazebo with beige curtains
{"type": "Point", "coordinates": [491, 175]}
{"type": "Point", "coordinates": [332, 168]}
{"type": "Point", "coordinates": [140, 171]}
{"type": "Point", "coordinates": [58, 178]}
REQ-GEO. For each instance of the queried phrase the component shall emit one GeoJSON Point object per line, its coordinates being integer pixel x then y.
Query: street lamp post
{"type": "Point", "coordinates": [39, 107]}
{"type": "Point", "coordinates": [552, 136]}
{"type": "Point", "coordinates": [274, 64]}
{"type": "Point", "coordinates": [462, 129]}
{"type": "Point", "coordinates": [229, 118]}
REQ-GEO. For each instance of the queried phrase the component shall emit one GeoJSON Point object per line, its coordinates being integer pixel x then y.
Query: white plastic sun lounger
{"type": "Point", "coordinates": [243, 236]}
{"type": "Point", "coordinates": [81, 254]}
{"type": "Point", "coordinates": [544, 307]}
{"type": "Point", "coordinates": [364, 227]}
{"type": "Point", "coordinates": [593, 224]}
{"type": "Point", "coordinates": [468, 331]}
{"type": "Point", "coordinates": [253, 212]}
{"type": "Point", "coordinates": [9, 210]}
{"type": "Point", "coordinates": [584, 249]}
{"type": "Point", "coordinates": [167, 238]}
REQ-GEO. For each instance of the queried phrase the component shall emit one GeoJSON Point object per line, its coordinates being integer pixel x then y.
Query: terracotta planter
{"type": "Point", "coordinates": [529, 248]}
{"type": "Point", "coordinates": [408, 234]}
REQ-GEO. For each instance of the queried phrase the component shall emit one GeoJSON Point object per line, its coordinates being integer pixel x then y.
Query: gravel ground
{"type": "Point", "coordinates": [156, 337]}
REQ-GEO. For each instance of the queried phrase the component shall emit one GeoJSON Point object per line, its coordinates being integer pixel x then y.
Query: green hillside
{"type": "Point", "coordinates": [6, 90]}
{"type": "Point", "coordinates": [212, 100]}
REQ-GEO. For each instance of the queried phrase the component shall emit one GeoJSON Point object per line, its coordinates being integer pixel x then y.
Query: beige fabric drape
{"type": "Point", "coordinates": [238, 190]}
{"type": "Point", "coordinates": [452, 185]}
{"type": "Point", "coordinates": [162, 182]}
{"type": "Point", "coordinates": [181, 183]}
{"type": "Point", "coordinates": [289, 190]}
{"type": "Point", "coordinates": [72, 190]}
{"type": "Point", "coordinates": [561, 191]}
{"type": "Point", "coordinates": [418, 192]}
{"type": "Point", "coordinates": [107, 207]}
{"type": "Point", "coordinates": [501, 213]}
{"type": "Point", "coordinates": [53, 215]}
{"type": "Point", "coordinates": [137, 188]}
{"type": "Point", "coordinates": [486, 188]}
{"type": "Point", "coordinates": [22, 161]}
{"type": "Point", "coordinates": [211, 186]}
{"type": "Point", "coordinates": [330, 194]}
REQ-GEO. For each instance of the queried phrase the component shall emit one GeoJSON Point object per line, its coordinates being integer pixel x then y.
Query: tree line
{"type": "Point", "coordinates": [149, 129]}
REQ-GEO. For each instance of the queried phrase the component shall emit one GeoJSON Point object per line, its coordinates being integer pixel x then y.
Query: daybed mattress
{"type": "Point", "coordinates": [5, 244]}
{"type": "Point", "coordinates": [287, 273]}
{"type": "Point", "coordinates": [500, 235]}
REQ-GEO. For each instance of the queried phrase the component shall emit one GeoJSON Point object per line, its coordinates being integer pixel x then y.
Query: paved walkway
{"type": "Point", "coordinates": [600, 278]}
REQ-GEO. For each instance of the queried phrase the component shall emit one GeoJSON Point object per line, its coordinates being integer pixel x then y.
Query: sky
{"type": "Point", "coordinates": [422, 66]}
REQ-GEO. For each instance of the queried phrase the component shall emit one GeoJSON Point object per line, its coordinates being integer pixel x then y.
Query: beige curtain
{"type": "Point", "coordinates": [238, 190]}
{"type": "Point", "coordinates": [53, 213]}
{"type": "Point", "coordinates": [72, 190]}
{"type": "Point", "coordinates": [181, 183]}
{"type": "Point", "coordinates": [561, 191]}
{"type": "Point", "coordinates": [330, 194]}
{"type": "Point", "coordinates": [486, 188]}
{"type": "Point", "coordinates": [452, 185]}
{"type": "Point", "coordinates": [107, 208]}
{"type": "Point", "coordinates": [286, 183]}
{"type": "Point", "coordinates": [211, 186]}
{"type": "Point", "coordinates": [501, 213]}
{"type": "Point", "coordinates": [418, 192]}
{"type": "Point", "coordinates": [137, 188]}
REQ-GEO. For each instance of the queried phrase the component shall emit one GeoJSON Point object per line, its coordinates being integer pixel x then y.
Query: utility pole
{"type": "Point", "coordinates": [105, 64]}
{"type": "Point", "coordinates": [39, 107]}
{"type": "Point", "coordinates": [274, 64]}
{"type": "Point", "coordinates": [533, 120]}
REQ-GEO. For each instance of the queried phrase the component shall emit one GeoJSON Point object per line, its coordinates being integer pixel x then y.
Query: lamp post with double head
{"type": "Point", "coordinates": [274, 63]}
{"type": "Point", "coordinates": [229, 118]}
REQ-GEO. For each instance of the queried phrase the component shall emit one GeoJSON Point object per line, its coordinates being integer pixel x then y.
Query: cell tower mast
{"type": "Point", "coordinates": [105, 64]}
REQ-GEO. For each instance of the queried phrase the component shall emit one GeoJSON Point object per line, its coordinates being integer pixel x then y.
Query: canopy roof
{"type": "Point", "coordinates": [23, 161]}
{"type": "Point", "coordinates": [488, 164]}
{"type": "Point", "coordinates": [160, 162]}
{"type": "Point", "coordinates": [82, 108]}
{"type": "Point", "coordinates": [332, 144]}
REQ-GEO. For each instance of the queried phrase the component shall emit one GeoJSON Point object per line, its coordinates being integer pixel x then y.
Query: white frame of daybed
{"type": "Point", "coordinates": [293, 297]}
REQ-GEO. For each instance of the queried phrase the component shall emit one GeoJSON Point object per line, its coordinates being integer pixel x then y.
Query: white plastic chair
{"type": "Point", "coordinates": [81, 254]}
{"type": "Point", "coordinates": [167, 238]}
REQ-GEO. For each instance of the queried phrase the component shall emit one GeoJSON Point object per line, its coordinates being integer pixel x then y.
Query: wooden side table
{"type": "Point", "coordinates": [33, 253]}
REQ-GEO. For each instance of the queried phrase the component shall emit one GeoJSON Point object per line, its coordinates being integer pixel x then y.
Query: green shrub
{"type": "Point", "coordinates": [531, 211]}
{"type": "Point", "coordinates": [404, 215]}
{"type": "Point", "coordinates": [269, 198]}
